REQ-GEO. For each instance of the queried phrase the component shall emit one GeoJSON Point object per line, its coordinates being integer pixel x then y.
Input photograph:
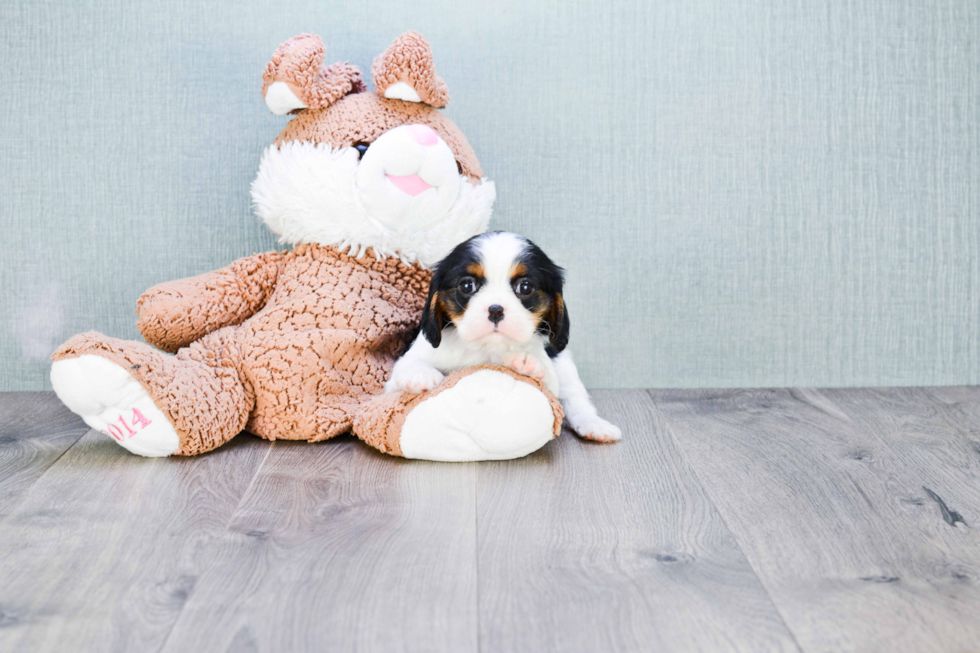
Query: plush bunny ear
{"type": "Point", "coordinates": [296, 78]}
{"type": "Point", "coordinates": [406, 71]}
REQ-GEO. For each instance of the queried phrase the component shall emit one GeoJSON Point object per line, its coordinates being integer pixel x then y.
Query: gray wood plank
{"type": "Point", "coordinates": [337, 548]}
{"type": "Point", "coordinates": [589, 547]}
{"type": "Point", "coordinates": [107, 546]}
{"type": "Point", "coordinates": [831, 520]}
{"type": "Point", "coordinates": [934, 433]}
{"type": "Point", "coordinates": [961, 410]}
{"type": "Point", "coordinates": [35, 430]}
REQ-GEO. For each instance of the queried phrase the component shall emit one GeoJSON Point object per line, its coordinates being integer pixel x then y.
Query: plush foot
{"type": "Point", "coordinates": [598, 430]}
{"type": "Point", "coordinates": [486, 413]}
{"type": "Point", "coordinates": [110, 400]}
{"type": "Point", "coordinates": [526, 364]}
{"type": "Point", "coordinates": [485, 416]}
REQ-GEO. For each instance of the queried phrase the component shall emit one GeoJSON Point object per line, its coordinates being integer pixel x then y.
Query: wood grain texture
{"type": "Point", "coordinates": [338, 548]}
{"type": "Point", "coordinates": [960, 410]}
{"type": "Point", "coordinates": [107, 546]}
{"type": "Point", "coordinates": [587, 547]}
{"type": "Point", "coordinates": [833, 521]}
{"type": "Point", "coordinates": [726, 520]}
{"type": "Point", "coordinates": [35, 430]}
{"type": "Point", "coordinates": [934, 433]}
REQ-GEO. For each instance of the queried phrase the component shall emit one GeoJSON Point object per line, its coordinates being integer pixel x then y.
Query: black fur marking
{"type": "Point", "coordinates": [432, 321]}
{"type": "Point", "coordinates": [548, 279]}
{"type": "Point", "coordinates": [445, 281]}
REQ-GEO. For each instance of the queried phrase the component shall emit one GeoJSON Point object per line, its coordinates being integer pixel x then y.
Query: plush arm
{"type": "Point", "coordinates": [176, 313]}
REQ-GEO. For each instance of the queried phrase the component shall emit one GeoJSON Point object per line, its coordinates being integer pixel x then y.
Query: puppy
{"type": "Point", "coordinates": [497, 299]}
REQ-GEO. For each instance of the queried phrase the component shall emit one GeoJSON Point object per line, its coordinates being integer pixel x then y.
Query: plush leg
{"type": "Point", "coordinates": [482, 413]}
{"type": "Point", "coordinates": [152, 403]}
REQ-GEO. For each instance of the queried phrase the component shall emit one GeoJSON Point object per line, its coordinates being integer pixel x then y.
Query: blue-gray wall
{"type": "Point", "coordinates": [744, 193]}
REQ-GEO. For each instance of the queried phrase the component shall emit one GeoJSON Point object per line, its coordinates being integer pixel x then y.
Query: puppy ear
{"type": "Point", "coordinates": [558, 324]}
{"type": "Point", "coordinates": [433, 318]}
{"type": "Point", "coordinates": [407, 71]}
{"type": "Point", "coordinates": [296, 78]}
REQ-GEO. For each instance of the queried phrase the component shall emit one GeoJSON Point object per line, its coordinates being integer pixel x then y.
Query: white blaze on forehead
{"type": "Point", "coordinates": [499, 252]}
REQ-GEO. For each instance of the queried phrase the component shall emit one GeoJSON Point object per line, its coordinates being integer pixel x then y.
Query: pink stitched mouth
{"type": "Point", "coordinates": [411, 184]}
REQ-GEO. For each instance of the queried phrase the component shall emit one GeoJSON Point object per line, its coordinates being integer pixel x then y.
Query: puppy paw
{"type": "Point", "coordinates": [525, 364]}
{"type": "Point", "coordinates": [599, 430]}
{"type": "Point", "coordinates": [417, 379]}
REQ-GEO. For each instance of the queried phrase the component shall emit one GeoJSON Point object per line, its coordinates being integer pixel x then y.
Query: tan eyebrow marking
{"type": "Point", "coordinates": [475, 269]}
{"type": "Point", "coordinates": [519, 270]}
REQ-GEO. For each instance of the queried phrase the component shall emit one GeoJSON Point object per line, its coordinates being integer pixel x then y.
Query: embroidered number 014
{"type": "Point", "coordinates": [136, 424]}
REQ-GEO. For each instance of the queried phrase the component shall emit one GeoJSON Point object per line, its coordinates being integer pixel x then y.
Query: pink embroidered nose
{"type": "Point", "coordinates": [411, 184]}
{"type": "Point", "coordinates": [423, 135]}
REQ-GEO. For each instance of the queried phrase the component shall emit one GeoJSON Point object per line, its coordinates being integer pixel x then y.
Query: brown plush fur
{"type": "Point", "coordinates": [363, 117]}
{"type": "Point", "coordinates": [299, 63]}
{"type": "Point", "coordinates": [409, 59]}
{"type": "Point", "coordinates": [296, 342]}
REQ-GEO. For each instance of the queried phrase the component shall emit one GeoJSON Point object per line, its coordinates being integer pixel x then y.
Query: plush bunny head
{"type": "Point", "coordinates": [360, 170]}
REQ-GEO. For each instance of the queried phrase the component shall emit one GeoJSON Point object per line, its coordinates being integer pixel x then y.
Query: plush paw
{"type": "Point", "coordinates": [525, 364]}
{"type": "Point", "coordinates": [110, 400]}
{"type": "Point", "coordinates": [598, 430]}
{"type": "Point", "coordinates": [416, 379]}
{"type": "Point", "coordinates": [485, 415]}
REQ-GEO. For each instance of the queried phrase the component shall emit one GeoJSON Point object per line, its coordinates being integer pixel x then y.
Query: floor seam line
{"type": "Point", "coordinates": [248, 487]}
{"type": "Point", "coordinates": [27, 491]}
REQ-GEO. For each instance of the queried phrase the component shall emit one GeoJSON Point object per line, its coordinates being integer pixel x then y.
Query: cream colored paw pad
{"type": "Point", "coordinates": [110, 400]}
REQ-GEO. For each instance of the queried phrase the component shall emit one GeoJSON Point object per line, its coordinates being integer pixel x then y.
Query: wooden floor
{"type": "Point", "coordinates": [751, 520]}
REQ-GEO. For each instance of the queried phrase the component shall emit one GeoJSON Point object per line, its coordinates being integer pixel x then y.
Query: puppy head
{"type": "Point", "coordinates": [495, 288]}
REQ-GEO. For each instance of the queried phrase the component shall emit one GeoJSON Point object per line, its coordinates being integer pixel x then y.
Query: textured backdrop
{"type": "Point", "coordinates": [744, 193]}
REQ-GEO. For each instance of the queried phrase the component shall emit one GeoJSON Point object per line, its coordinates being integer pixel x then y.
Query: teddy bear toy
{"type": "Point", "coordinates": [369, 189]}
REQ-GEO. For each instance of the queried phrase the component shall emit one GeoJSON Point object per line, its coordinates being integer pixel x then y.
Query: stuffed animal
{"type": "Point", "coordinates": [370, 189]}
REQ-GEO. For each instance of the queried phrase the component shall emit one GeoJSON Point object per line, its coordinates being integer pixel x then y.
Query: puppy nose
{"type": "Point", "coordinates": [423, 134]}
{"type": "Point", "coordinates": [496, 313]}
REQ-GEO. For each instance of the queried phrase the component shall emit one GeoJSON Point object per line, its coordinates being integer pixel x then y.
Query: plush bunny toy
{"type": "Point", "coordinates": [369, 189]}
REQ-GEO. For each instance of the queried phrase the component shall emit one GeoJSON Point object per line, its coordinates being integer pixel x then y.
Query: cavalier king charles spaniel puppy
{"type": "Point", "coordinates": [497, 299]}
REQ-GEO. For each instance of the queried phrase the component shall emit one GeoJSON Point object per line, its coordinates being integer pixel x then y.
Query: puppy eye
{"type": "Point", "coordinates": [467, 286]}
{"type": "Point", "coordinates": [523, 287]}
{"type": "Point", "coordinates": [361, 149]}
